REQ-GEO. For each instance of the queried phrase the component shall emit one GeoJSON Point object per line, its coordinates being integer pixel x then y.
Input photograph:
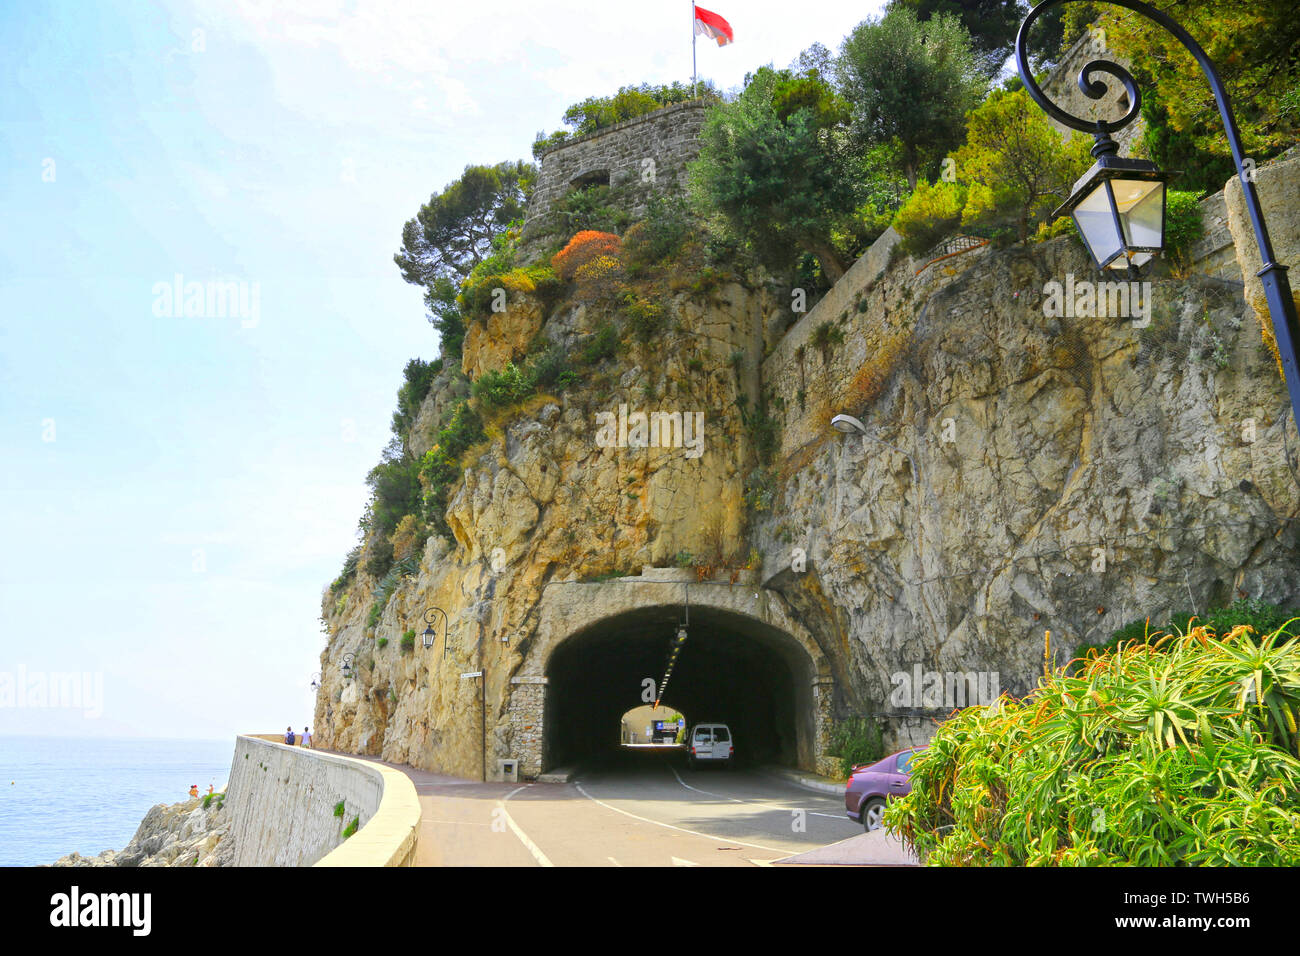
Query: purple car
{"type": "Point", "coordinates": [871, 784]}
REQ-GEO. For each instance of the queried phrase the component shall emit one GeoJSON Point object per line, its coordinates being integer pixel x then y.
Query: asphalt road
{"type": "Point", "coordinates": [637, 809]}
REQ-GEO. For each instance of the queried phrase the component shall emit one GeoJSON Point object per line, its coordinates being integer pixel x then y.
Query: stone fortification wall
{"type": "Point", "coordinates": [637, 156]}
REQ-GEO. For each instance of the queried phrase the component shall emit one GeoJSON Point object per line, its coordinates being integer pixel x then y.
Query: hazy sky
{"type": "Point", "coordinates": [177, 487]}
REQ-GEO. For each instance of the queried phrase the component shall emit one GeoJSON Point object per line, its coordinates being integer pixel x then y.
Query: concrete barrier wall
{"type": "Point", "coordinates": [283, 802]}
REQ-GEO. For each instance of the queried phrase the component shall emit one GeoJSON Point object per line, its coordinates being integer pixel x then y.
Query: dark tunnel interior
{"type": "Point", "coordinates": [731, 670]}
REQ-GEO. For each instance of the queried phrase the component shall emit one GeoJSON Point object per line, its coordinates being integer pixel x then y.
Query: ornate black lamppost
{"type": "Point", "coordinates": [1118, 205]}
{"type": "Point", "coordinates": [347, 667]}
{"type": "Point", "coordinates": [430, 636]}
{"type": "Point", "coordinates": [315, 681]}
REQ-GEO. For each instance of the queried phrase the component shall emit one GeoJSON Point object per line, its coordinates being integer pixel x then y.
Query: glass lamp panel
{"type": "Point", "coordinates": [1141, 205]}
{"type": "Point", "coordinates": [1096, 223]}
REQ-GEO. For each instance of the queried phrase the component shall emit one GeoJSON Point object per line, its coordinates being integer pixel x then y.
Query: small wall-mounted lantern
{"type": "Point", "coordinates": [347, 666]}
{"type": "Point", "coordinates": [430, 636]}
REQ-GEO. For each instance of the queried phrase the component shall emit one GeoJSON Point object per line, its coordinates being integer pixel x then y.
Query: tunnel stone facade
{"type": "Point", "coordinates": [569, 609]}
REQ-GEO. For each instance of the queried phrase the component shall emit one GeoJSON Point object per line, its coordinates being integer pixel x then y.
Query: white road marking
{"type": "Point", "coordinates": [677, 861]}
{"type": "Point", "coordinates": [659, 823]}
{"type": "Point", "coordinates": [529, 845]}
{"type": "Point", "coordinates": [765, 806]}
{"type": "Point", "coordinates": [614, 861]}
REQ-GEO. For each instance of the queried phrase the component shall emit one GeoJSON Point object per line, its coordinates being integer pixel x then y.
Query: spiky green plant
{"type": "Point", "coordinates": [1182, 752]}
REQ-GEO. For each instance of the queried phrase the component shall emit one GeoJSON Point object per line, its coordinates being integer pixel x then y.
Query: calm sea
{"type": "Point", "coordinates": [59, 794]}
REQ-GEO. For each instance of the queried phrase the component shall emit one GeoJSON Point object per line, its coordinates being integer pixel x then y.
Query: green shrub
{"type": "Point", "coordinates": [600, 345]}
{"type": "Point", "coordinates": [405, 568]}
{"type": "Point", "coordinates": [395, 493]}
{"type": "Point", "coordinates": [503, 388]}
{"type": "Point", "coordinates": [440, 469]}
{"type": "Point", "coordinates": [418, 379]}
{"type": "Point", "coordinates": [596, 208]}
{"type": "Point", "coordinates": [408, 640]}
{"type": "Point", "coordinates": [1263, 617]}
{"type": "Point", "coordinates": [381, 642]}
{"type": "Point", "coordinates": [380, 558]}
{"type": "Point", "coordinates": [338, 809]}
{"type": "Point", "coordinates": [352, 827]}
{"type": "Point", "coordinates": [931, 214]}
{"type": "Point", "coordinates": [543, 142]}
{"type": "Point", "coordinates": [763, 431]}
{"type": "Point", "coordinates": [1182, 223]}
{"type": "Point", "coordinates": [856, 741]}
{"type": "Point", "coordinates": [1178, 754]}
{"type": "Point", "coordinates": [645, 317]}
{"type": "Point", "coordinates": [660, 235]}
{"type": "Point", "coordinates": [549, 370]}
{"type": "Point", "coordinates": [824, 338]}
{"type": "Point", "coordinates": [760, 489]}
{"type": "Point", "coordinates": [871, 219]}
{"type": "Point", "coordinates": [478, 293]}
{"type": "Point", "coordinates": [349, 571]}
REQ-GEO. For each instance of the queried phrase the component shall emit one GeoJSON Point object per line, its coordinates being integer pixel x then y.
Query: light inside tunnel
{"type": "Point", "coordinates": [733, 669]}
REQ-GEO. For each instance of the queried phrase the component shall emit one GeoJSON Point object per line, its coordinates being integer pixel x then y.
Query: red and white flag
{"type": "Point", "coordinates": [709, 24]}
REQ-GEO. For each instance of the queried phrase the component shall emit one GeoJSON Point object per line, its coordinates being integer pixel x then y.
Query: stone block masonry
{"type": "Point", "coordinates": [634, 158]}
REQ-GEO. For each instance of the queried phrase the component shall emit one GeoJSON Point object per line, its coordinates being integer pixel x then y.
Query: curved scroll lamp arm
{"type": "Point", "coordinates": [1277, 288]}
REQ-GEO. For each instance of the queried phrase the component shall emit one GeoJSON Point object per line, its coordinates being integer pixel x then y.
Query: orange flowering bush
{"type": "Point", "coordinates": [583, 248]}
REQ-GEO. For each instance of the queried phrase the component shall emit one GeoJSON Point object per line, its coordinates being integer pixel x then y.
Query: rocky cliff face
{"type": "Point", "coordinates": [1032, 469]}
{"type": "Point", "coordinates": [546, 499]}
{"type": "Point", "coordinates": [178, 834]}
{"type": "Point", "coordinates": [1071, 474]}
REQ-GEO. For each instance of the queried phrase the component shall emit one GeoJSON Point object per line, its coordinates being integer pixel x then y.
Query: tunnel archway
{"type": "Point", "coordinates": [733, 669]}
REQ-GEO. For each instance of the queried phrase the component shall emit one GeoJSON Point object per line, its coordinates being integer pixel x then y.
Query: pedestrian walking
{"type": "Point", "coordinates": [306, 736]}
{"type": "Point", "coordinates": [288, 736]}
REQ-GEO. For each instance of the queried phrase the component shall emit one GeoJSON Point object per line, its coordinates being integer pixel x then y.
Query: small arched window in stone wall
{"type": "Point", "coordinates": [589, 180]}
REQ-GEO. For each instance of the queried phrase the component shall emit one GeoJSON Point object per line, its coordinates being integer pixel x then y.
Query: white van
{"type": "Point", "coordinates": [710, 743]}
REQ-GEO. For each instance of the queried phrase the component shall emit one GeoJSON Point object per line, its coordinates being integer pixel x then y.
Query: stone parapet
{"type": "Point", "coordinates": [283, 800]}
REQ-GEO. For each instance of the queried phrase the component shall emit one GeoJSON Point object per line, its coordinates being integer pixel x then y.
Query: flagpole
{"type": "Point", "coordinates": [694, 74]}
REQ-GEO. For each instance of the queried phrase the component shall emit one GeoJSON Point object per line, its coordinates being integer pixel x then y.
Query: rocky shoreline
{"type": "Point", "coordinates": [192, 833]}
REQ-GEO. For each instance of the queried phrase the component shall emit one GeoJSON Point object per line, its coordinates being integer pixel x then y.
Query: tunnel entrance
{"type": "Point", "coordinates": [648, 724]}
{"type": "Point", "coordinates": [732, 669]}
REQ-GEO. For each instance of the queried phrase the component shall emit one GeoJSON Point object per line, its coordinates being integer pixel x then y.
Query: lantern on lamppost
{"type": "Point", "coordinates": [315, 681]}
{"type": "Point", "coordinates": [1118, 206]}
{"type": "Point", "coordinates": [347, 667]}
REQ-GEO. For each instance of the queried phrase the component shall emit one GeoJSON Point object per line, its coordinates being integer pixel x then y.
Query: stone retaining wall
{"type": "Point", "coordinates": [817, 369]}
{"type": "Point", "coordinates": [283, 803]}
